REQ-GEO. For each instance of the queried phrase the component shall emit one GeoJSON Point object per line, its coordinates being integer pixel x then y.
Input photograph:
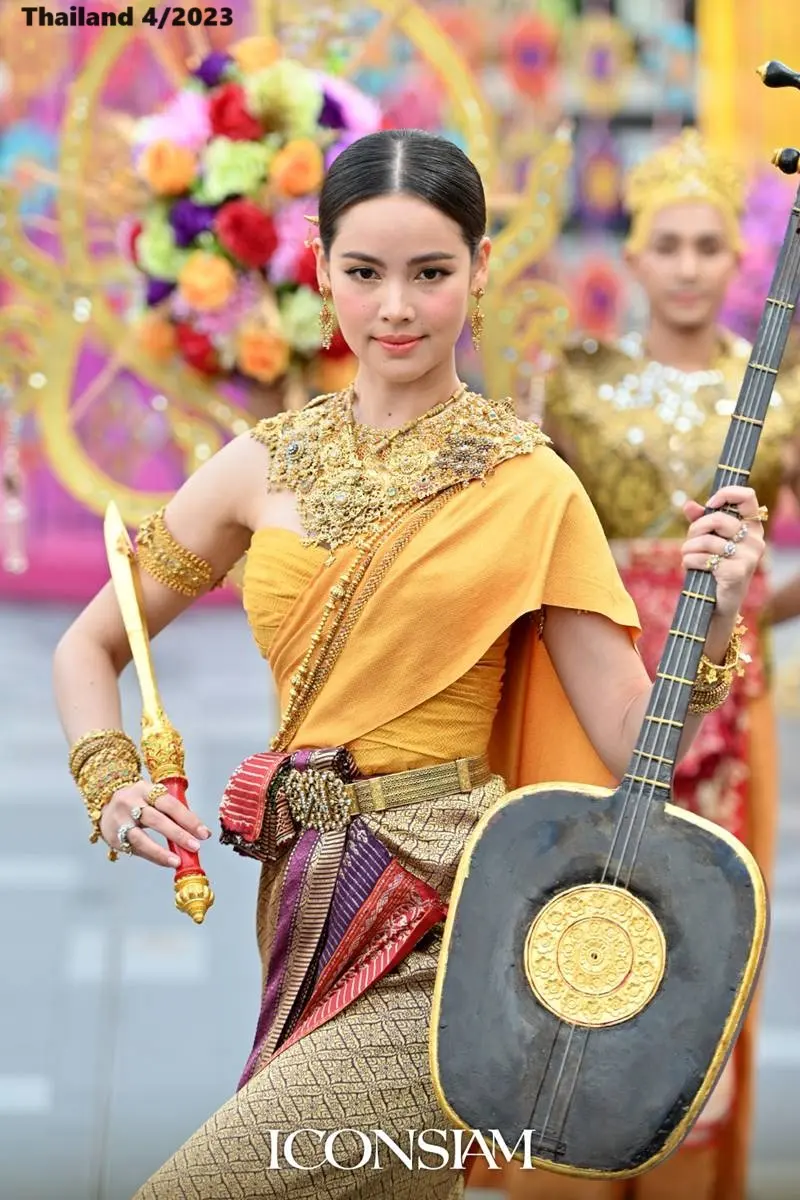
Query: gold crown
{"type": "Point", "coordinates": [685, 169]}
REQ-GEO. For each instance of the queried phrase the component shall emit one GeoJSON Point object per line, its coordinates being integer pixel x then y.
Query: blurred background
{"type": "Point", "coordinates": [122, 1026]}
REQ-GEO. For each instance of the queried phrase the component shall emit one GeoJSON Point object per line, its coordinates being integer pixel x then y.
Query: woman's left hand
{"type": "Point", "coordinates": [730, 546]}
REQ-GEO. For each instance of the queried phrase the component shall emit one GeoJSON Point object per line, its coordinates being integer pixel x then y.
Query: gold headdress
{"type": "Point", "coordinates": [685, 169]}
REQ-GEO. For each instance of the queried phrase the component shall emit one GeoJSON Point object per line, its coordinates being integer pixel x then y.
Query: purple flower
{"type": "Point", "coordinates": [157, 290]}
{"type": "Point", "coordinates": [213, 68]}
{"type": "Point", "coordinates": [332, 115]}
{"type": "Point", "coordinates": [189, 220]}
{"type": "Point", "coordinates": [346, 106]}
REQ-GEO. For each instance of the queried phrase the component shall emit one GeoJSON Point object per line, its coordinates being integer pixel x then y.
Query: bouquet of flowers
{"type": "Point", "coordinates": [233, 165]}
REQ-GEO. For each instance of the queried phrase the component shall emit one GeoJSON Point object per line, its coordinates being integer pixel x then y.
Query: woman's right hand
{"type": "Point", "coordinates": [166, 816]}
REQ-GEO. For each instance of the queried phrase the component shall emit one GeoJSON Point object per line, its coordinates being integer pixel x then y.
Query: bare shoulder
{"type": "Point", "coordinates": [225, 491]}
{"type": "Point", "coordinates": [208, 519]}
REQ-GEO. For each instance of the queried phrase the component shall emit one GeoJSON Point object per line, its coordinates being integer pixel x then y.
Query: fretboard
{"type": "Point", "coordinates": [651, 767]}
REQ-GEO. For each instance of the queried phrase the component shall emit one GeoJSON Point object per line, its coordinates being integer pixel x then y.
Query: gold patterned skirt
{"type": "Point", "coordinates": [365, 1069]}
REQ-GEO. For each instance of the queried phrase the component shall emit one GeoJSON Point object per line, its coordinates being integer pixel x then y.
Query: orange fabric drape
{"type": "Point", "coordinates": [533, 517]}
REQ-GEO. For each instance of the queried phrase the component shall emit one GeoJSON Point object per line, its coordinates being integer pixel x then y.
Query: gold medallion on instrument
{"type": "Point", "coordinates": [595, 955]}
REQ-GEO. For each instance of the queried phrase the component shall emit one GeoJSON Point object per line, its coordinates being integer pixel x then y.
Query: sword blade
{"type": "Point", "coordinates": [127, 588]}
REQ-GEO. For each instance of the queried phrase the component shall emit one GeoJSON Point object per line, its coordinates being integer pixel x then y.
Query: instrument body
{"type": "Point", "coordinates": [502, 1061]}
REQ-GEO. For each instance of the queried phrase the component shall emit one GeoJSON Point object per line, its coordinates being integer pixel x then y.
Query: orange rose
{"type": "Point", "coordinates": [298, 168]}
{"type": "Point", "coordinates": [167, 169]}
{"type": "Point", "coordinates": [206, 281]}
{"type": "Point", "coordinates": [156, 336]}
{"type": "Point", "coordinates": [262, 354]}
{"type": "Point", "coordinates": [255, 53]}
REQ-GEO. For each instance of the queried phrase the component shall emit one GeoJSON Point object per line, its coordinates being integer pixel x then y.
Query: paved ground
{"type": "Point", "coordinates": [122, 1025]}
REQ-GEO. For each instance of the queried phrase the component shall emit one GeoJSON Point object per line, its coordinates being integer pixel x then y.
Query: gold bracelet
{"type": "Point", "coordinates": [167, 561]}
{"type": "Point", "coordinates": [101, 762]}
{"type": "Point", "coordinates": [714, 680]}
{"type": "Point", "coordinates": [96, 739]}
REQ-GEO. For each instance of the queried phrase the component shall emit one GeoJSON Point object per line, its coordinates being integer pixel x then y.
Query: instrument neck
{"type": "Point", "coordinates": [652, 765]}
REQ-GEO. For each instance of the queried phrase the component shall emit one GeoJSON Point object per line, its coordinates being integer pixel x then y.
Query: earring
{"type": "Point", "coordinates": [325, 320]}
{"type": "Point", "coordinates": [476, 320]}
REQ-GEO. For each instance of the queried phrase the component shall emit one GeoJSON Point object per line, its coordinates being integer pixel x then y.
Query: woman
{"type": "Point", "coordinates": [382, 584]}
{"type": "Point", "coordinates": [642, 423]}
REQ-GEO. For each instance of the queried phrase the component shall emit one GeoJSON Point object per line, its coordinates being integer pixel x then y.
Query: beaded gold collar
{"type": "Point", "coordinates": [349, 479]}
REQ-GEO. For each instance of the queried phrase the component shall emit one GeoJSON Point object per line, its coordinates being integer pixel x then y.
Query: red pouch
{"type": "Point", "coordinates": [253, 814]}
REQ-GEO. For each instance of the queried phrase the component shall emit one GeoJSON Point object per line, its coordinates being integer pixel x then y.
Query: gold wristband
{"type": "Point", "coordinates": [714, 680]}
{"type": "Point", "coordinates": [101, 762]}
{"type": "Point", "coordinates": [167, 561]}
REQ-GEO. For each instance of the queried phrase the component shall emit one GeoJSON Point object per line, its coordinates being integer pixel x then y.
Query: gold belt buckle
{"type": "Point", "coordinates": [317, 799]}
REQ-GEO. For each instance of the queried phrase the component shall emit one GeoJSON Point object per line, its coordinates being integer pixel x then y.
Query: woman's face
{"type": "Point", "coordinates": [686, 265]}
{"type": "Point", "coordinates": [400, 274]}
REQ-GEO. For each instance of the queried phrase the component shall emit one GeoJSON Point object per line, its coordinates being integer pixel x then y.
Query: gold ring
{"type": "Point", "coordinates": [761, 515]}
{"type": "Point", "coordinates": [158, 789]}
{"type": "Point", "coordinates": [713, 563]}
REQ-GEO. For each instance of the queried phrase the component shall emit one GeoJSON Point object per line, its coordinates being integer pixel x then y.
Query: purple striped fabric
{"type": "Point", "coordinates": [279, 956]}
{"type": "Point", "coordinates": [308, 929]}
{"type": "Point", "coordinates": [365, 859]}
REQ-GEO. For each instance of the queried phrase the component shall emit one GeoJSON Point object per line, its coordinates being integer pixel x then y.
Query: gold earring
{"type": "Point", "coordinates": [325, 320]}
{"type": "Point", "coordinates": [476, 320]}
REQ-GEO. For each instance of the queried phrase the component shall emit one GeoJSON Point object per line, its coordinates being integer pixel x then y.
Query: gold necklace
{"type": "Point", "coordinates": [345, 490]}
{"type": "Point", "coordinates": [369, 439]}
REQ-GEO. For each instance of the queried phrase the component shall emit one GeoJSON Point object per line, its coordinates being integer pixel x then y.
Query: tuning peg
{"type": "Point", "coordinates": [777, 75]}
{"type": "Point", "coordinates": [787, 160]}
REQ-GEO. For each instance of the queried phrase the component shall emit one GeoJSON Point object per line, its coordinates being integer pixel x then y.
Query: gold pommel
{"type": "Point", "coordinates": [193, 895]}
{"type": "Point", "coordinates": [162, 750]}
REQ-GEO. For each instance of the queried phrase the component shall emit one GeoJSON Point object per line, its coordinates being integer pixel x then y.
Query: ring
{"type": "Point", "coordinates": [741, 533]}
{"type": "Point", "coordinates": [729, 549]}
{"type": "Point", "coordinates": [136, 813]}
{"type": "Point", "coordinates": [124, 846]}
{"type": "Point", "coordinates": [761, 515]}
{"type": "Point", "coordinates": [156, 790]}
{"type": "Point", "coordinates": [713, 563]}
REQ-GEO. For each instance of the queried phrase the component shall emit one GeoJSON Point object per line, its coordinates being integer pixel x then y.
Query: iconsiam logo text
{"type": "Point", "coordinates": [350, 1149]}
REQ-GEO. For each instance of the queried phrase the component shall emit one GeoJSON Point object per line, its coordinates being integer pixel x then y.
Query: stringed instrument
{"type": "Point", "coordinates": [602, 946]}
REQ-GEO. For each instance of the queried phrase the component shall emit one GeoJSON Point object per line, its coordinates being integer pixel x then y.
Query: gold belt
{"type": "Point", "coordinates": [412, 787]}
{"type": "Point", "coordinates": [320, 799]}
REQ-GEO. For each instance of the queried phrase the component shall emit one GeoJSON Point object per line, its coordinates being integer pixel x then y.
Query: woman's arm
{"type": "Point", "coordinates": [211, 516]}
{"type": "Point", "coordinates": [600, 670]}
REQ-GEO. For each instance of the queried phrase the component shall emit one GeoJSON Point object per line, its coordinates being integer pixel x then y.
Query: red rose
{"type": "Point", "coordinates": [197, 349]}
{"type": "Point", "coordinates": [305, 272]}
{"type": "Point", "coordinates": [247, 232]}
{"type": "Point", "coordinates": [229, 115]}
{"type": "Point", "coordinates": [338, 347]}
{"type": "Point", "coordinates": [133, 237]}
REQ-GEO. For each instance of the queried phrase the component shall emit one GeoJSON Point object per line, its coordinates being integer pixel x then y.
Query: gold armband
{"type": "Point", "coordinates": [714, 680]}
{"type": "Point", "coordinates": [101, 762]}
{"type": "Point", "coordinates": [166, 560]}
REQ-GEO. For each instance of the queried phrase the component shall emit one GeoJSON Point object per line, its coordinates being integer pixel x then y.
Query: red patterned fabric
{"type": "Point", "coordinates": [400, 911]}
{"type": "Point", "coordinates": [250, 822]}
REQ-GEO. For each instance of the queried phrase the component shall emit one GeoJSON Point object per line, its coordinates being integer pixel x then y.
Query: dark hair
{"type": "Point", "coordinates": [405, 160]}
